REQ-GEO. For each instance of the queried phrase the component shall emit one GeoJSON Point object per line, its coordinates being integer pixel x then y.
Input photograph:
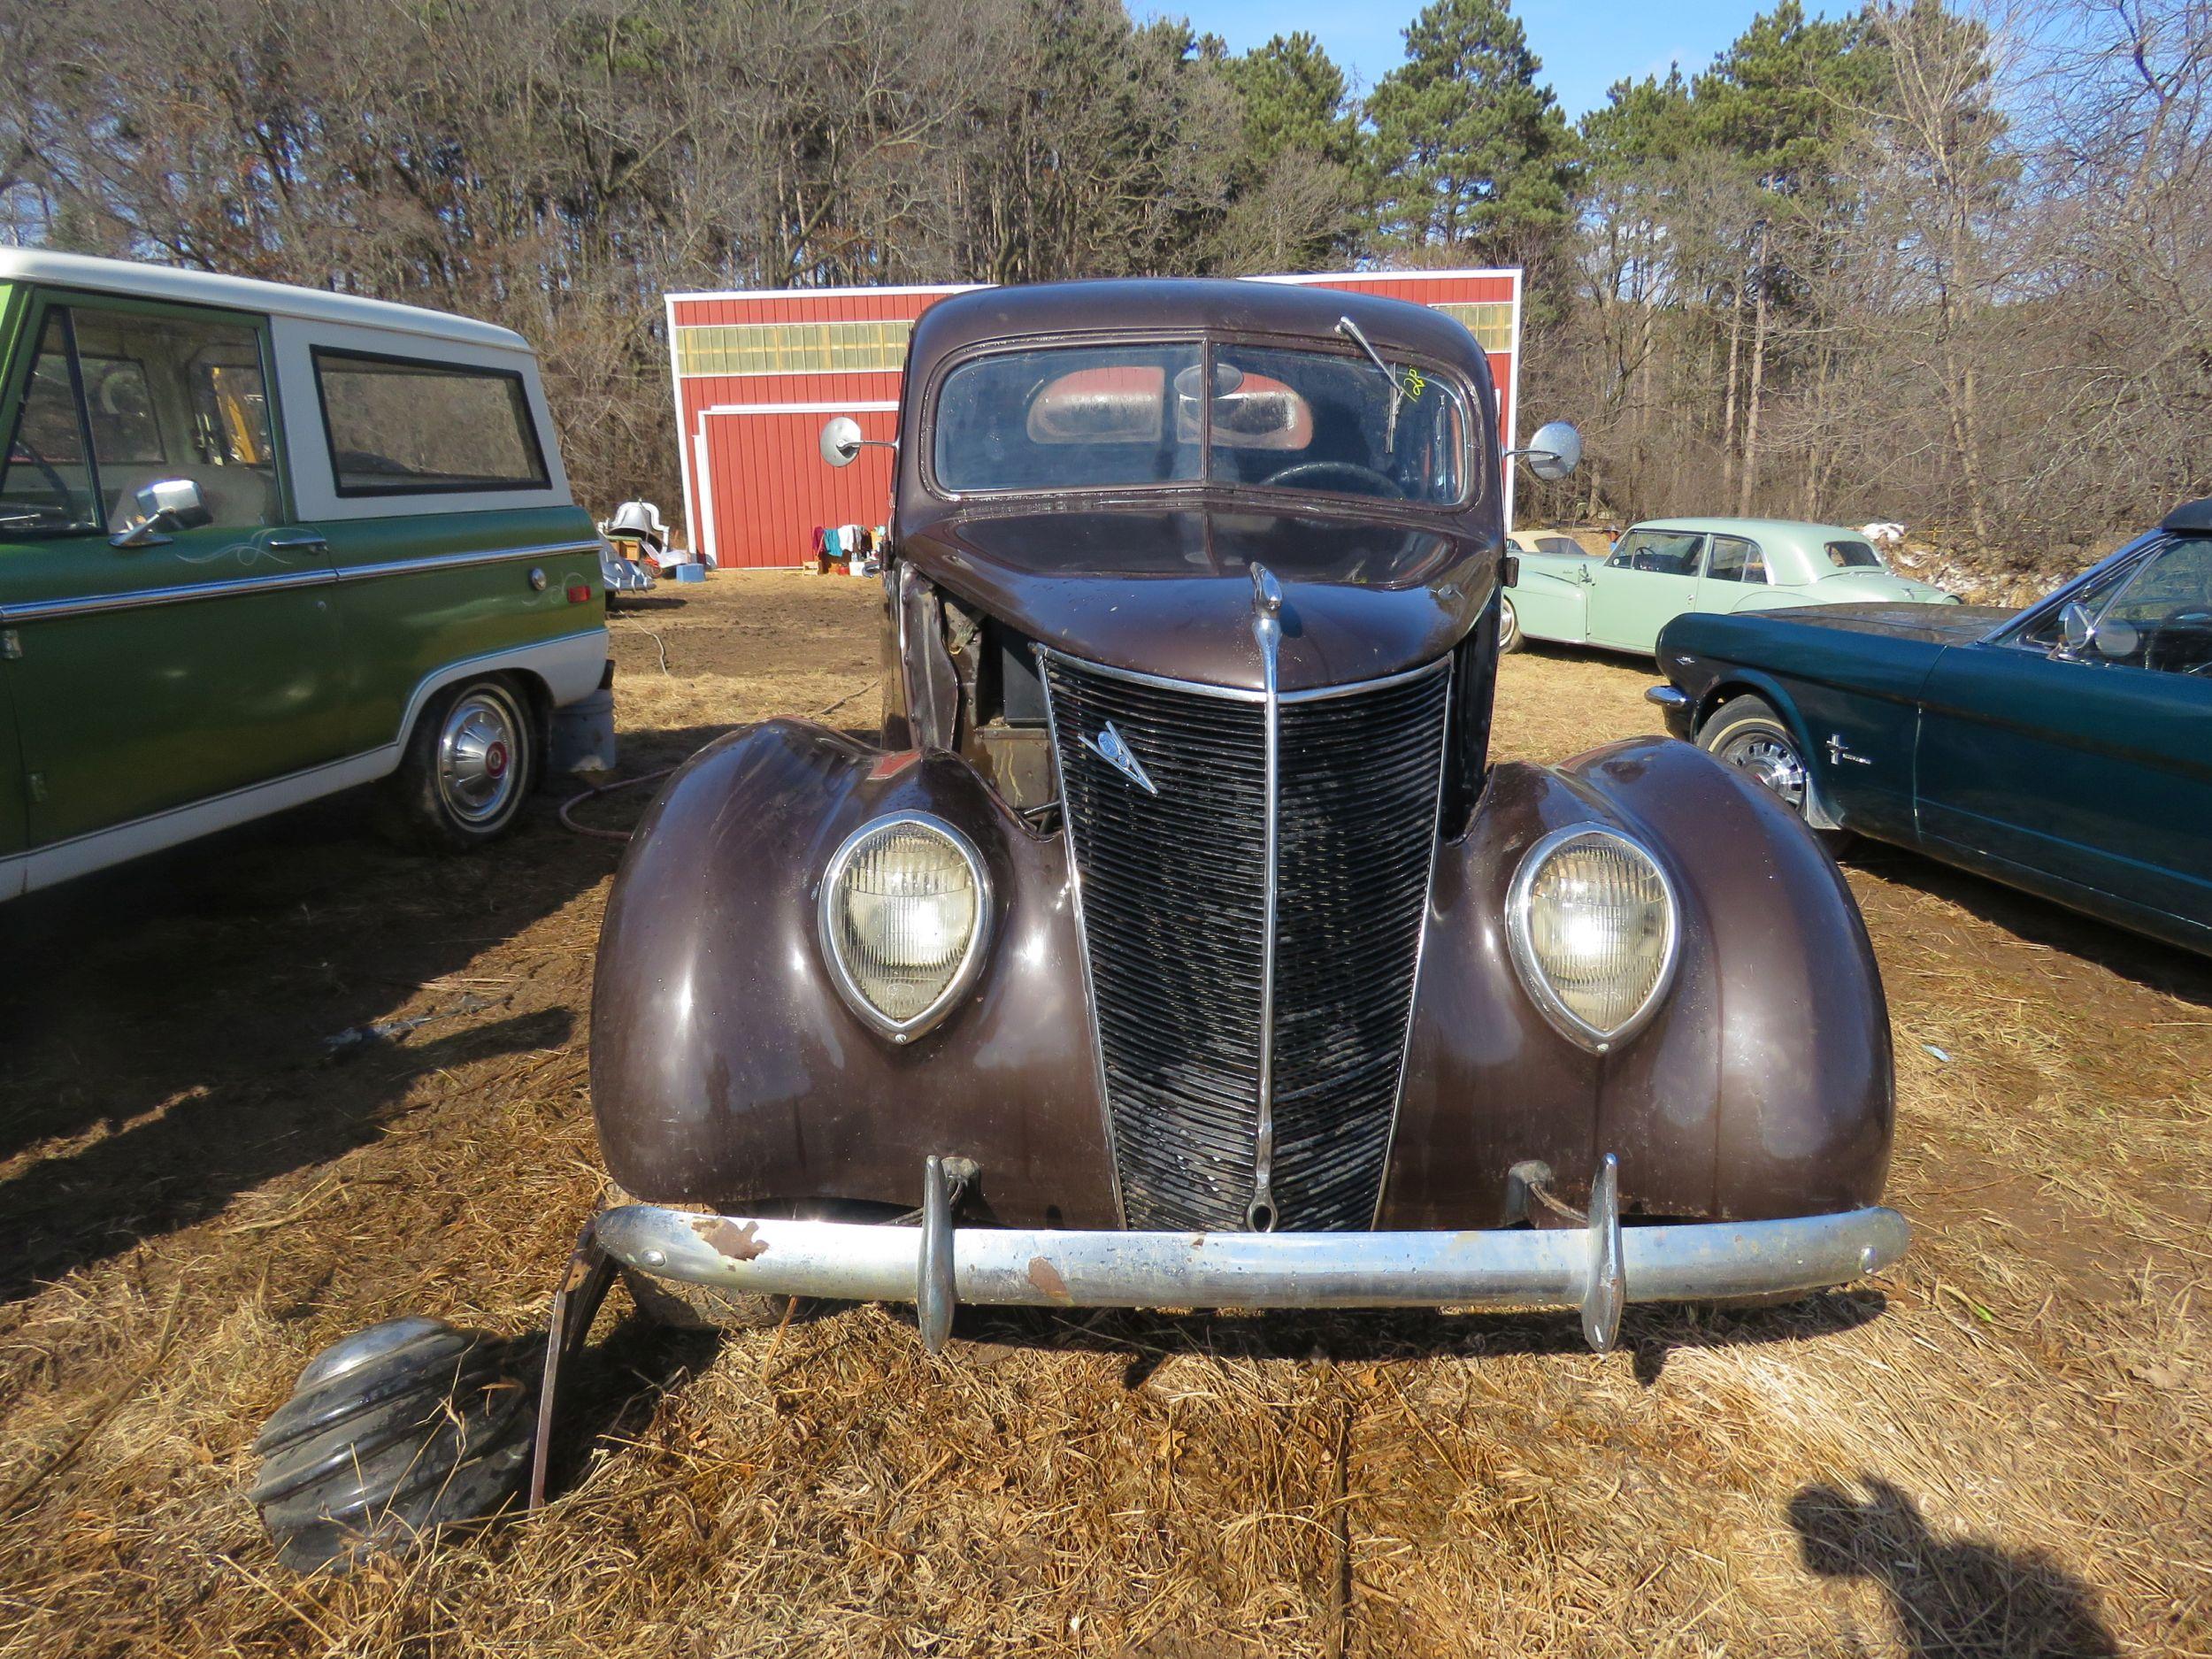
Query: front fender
{"type": "Point", "coordinates": [1762, 1087]}
{"type": "Point", "coordinates": [727, 1069]}
{"type": "Point", "coordinates": [1551, 607]}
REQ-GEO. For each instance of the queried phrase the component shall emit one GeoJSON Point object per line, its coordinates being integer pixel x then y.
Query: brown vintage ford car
{"type": "Point", "coordinates": [1176, 943]}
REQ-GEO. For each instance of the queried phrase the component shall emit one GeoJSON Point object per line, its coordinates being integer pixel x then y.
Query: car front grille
{"type": "Point", "coordinates": [1174, 899]}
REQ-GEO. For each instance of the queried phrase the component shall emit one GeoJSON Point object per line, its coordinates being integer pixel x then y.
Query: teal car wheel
{"type": "Point", "coordinates": [1746, 733]}
{"type": "Point", "coordinates": [1508, 626]}
{"type": "Point", "coordinates": [470, 762]}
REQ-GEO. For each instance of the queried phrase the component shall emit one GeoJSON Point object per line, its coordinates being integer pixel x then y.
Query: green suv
{"type": "Point", "coordinates": [260, 544]}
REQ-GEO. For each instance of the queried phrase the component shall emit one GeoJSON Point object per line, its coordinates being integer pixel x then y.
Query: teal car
{"type": "Point", "coordinates": [260, 544]}
{"type": "Point", "coordinates": [1661, 569]}
{"type": "Point", "coordinates": [2066, 748]}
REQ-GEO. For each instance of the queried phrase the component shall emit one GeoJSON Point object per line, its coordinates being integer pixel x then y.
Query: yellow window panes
{"type": "Point", "coordinates": [791, 348]}
{"type": "Point", "coordinates": [1490, 321]}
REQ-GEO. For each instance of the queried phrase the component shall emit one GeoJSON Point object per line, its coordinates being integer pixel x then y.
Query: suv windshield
{"type": "Point", "coordinates": [1099, 417]}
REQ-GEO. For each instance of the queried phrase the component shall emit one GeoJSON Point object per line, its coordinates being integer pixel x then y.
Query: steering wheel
{"type": "Point", "coordinates": [2196, 627]}
{"type": "Point", "coordinates": [1382, 483]}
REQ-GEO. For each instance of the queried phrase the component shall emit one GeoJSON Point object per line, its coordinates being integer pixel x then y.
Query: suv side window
{"type": "Point", "coordinates": [1737, 560]}
{"type": "Point", "coordinates": [46, 481]}
{"type": "Point", "coordinates": [178, 398]}
{"type": "Point", "coordinates": [118, 399]}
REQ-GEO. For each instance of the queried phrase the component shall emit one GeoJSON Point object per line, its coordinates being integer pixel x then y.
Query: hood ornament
{"type": "Point", "coordinates": [1110, 747]}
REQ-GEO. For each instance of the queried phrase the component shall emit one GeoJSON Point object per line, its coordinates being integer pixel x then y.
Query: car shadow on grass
{"type": "Point", "coordinates": [1648, 1334]}
{"type": "Point", "coordinates": [1959, 1598]}
{"type": "Point", "coordinates": [183, 1029]}
{"type": "Point", "coordinates": [2150, 962]}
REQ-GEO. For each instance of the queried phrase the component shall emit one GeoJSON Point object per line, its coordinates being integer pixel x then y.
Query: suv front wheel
{"type": "Point", "coordinates": [470, 762]}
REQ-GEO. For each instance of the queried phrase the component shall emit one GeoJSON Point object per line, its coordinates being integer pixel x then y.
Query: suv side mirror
{"type": "Point", "coordinates": [164, 505]}
{"type": "Point", "coordinates": [1554, 451]}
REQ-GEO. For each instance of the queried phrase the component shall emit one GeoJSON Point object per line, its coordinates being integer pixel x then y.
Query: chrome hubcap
{"type": "Point", "coordinates": [1508, 622]}
{"type": "Point", "coordinates": [476, 757]}
{"type": "Point", "coordinates": [1771, 761]}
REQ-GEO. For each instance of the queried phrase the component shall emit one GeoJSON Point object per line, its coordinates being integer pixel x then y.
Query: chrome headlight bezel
{"type": "Point", "coordinates": [971, 963]}
{"type": "Point", "coordinates": [1537, 983]}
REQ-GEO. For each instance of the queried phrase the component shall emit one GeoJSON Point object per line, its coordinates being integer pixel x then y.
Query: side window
{"type": "Point", "coordinates": [1736, 560]}
{"type": "Point", "coordinates": [400, 427]}
{"type": "Point", "coordinates": [2161, 619]}
{"type": "Point", "coordinates": [1663, 552]}
{"type": "Point", "coordinates": [46, 480]}
{"type": "Point", "coordinates": [154, 416]}
{"type": "Point", "coordinates": [2048, 631]}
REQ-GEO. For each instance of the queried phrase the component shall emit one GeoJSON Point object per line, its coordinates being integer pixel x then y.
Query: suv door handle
{"type": "Point", "coordinates": [297, 544]}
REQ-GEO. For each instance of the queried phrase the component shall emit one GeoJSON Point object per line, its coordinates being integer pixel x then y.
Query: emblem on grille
{"type": "Point", "coordinates": [1109, 747]}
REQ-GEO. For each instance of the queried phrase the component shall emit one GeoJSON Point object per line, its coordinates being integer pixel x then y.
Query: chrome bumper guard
{"type": "Point", "coordinates": [1597, 1268]}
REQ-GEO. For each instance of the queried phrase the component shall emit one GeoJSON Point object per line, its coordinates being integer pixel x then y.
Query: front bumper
{"type": "Point", "coordinates": [1675, 706]}
{"type": "Point", "coordinates": [1596, 1267]}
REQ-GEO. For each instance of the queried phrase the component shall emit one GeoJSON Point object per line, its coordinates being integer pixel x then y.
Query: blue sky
{"type": "Point", "coordinates": [1586, 45]}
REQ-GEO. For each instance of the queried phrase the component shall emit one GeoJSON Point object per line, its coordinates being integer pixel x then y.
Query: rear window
{"type": "Point", "coordinates": [1854, 556]}
{"type": "Point", "coordinates": [399, 426]}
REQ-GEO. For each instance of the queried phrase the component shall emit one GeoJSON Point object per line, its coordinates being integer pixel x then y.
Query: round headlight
{"type": "Point", "coordinates": [905, 908]}
{"type": "Point", "coordinates": [1590, 918]}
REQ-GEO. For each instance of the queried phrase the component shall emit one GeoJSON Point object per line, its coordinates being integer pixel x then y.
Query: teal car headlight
{"type": "Point", "coordinates": [1593, 929]}
{"type": "Point", "coordinates": [905, 913]}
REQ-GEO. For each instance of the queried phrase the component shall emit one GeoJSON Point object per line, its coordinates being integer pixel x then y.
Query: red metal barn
{"type": "Point", "coordinates": [756, 373]}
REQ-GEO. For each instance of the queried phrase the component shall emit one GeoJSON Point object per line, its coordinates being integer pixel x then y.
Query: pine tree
{"type": "Point", "coordinates": [1473, 154]}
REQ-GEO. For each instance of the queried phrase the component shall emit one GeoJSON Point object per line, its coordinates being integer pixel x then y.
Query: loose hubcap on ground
{"type": "Point", "coordinates": [476, 753]}
{"type": "Point", "coordinates": [1771, 761]}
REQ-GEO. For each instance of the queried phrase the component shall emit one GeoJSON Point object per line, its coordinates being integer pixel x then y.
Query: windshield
{"type": "Point", "coordinates": [1098, 417]}
{"type": "Point", "coordinates": [1854, 556]}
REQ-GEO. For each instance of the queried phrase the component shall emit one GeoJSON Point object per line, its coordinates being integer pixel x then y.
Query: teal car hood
{"type": "Point", "coordinates": [1938, 624]}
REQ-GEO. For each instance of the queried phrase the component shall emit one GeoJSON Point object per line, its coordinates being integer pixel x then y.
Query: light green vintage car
{"type": "Point", "coordinates": [1661, 569]}
{"type": "Point", "coordinates": [258, 544]}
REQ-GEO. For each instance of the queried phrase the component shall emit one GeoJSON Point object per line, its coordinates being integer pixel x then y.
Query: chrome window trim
{"type": "Point", "coordinates": [2008, 631]}
{"type": "Point", "coordinates": [900, 1031]}
{"type": "Point", "coordinates": [143, 598]}
{"type": "Point", "coordinates": [1533, 980]}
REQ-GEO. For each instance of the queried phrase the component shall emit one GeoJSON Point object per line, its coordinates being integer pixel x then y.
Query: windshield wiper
{"type": "Point", "coordinates": [1350, 330]}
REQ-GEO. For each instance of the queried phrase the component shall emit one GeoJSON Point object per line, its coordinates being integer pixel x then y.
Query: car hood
{"type": "Point", "coordinates": [1939, 625]}
{"type": "Point", "coordinates": [1168, 591]}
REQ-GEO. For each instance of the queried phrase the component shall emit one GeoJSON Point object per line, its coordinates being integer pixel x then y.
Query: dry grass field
{"type": "Point", "coordinates": [2002, 1449]}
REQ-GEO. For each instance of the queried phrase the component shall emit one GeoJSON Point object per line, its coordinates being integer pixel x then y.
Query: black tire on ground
{"type": "Point", "coordinates": [1509, 626]}
{"type": "Point", "coordinates": [1746, 733]}
{"type": "Point", "coordinates": [471, 762]}
{"type": "Point", "coordinates": [680, 1305]}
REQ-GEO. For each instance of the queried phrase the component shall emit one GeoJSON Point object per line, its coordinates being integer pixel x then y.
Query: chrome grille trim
{"type": "Point", "coordinates": [1185, 1003]}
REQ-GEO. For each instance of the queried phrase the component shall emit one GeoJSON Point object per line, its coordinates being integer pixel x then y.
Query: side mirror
{"type": "Point", "coordinates": [164, 505]}
{"type": "Point", "coordinates": [2078, 627]}
{"type": "Point", "coordinates": [841, 440]}
{"type": "Point", "coordinates": [1554, 452]}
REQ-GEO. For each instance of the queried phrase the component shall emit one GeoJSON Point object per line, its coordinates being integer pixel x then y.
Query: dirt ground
{"type": "Point", "coordinates": [2002, 1448]}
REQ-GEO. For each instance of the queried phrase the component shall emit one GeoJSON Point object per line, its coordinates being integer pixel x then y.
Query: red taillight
{"type": "Point", "coordinates": [578, 593]}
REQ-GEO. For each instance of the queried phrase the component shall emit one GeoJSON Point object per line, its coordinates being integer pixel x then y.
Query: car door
{"type": "Point", "coordinates": [12, 826]}
{"type": "Point", "coordinates": [1651, 578]}
{"type": "Point", "coordinates": [2087, 768]}
{"type": "Point", "coordinates": [204, 657]}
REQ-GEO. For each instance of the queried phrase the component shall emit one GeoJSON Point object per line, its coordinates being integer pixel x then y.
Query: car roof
{"type": "Point", "coordinates": [280, 299]}
{"type": "Point", "coordinates": [1794, 529]}
{"type": "Point", "coordinates": [1219, 304]}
